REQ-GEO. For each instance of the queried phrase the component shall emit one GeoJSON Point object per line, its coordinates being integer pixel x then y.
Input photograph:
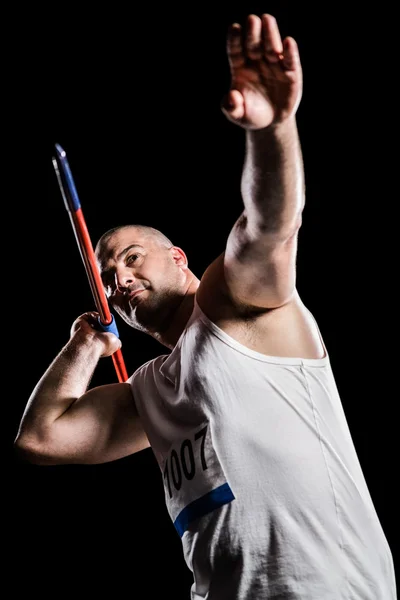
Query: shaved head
{"type": "Point", "coordinates": [149, 232]}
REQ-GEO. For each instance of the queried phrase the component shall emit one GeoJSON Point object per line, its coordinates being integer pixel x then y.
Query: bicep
{"type": "Point", "coordinates": [101, 426]}
{"type": "Point", "coordinates": [259, 266]}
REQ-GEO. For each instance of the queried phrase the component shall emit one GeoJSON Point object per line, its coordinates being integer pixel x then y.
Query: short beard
{"type": "Point", "coordinates": [155, 315]}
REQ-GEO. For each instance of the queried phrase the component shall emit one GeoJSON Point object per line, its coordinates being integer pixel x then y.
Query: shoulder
{"type": "Point", "coordinates": [289, 330]}
{"type": "Point", "coordinates": [147, 369]}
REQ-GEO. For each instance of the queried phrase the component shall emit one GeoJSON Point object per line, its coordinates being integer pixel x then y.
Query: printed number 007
{"type": "Point", "coordinates": [184, 463]}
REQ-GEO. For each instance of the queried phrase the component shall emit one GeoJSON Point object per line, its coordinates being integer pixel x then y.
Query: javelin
{"type": "Point", "coordinates": [72, 204]}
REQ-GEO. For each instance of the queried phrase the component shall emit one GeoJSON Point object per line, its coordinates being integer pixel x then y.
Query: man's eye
{"type": "Point", "coordinates": [132, 258]}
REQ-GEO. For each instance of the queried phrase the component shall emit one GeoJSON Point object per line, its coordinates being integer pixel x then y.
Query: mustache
{"type": "Point", "coordinates": [131, 289]}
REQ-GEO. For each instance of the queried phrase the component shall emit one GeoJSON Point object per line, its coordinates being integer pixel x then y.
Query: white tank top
{"type": "Point", "coordinates": [261, 478]}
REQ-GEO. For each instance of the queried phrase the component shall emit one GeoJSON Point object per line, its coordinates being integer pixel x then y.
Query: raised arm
{"type": "Point", "coordinates": [65, 423]}
{"type": "Point", "coordinates": [266, 88]}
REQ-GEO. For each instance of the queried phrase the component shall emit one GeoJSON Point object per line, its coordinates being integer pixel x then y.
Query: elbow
{"type": "Point", "coordinates": [31, 451]}
{"type": "Point", "coordinates": [289, 228]}
{"type": "Point", "coordinates": [278, 230]}
{"type": "Point", "coordinates": [24, 455]}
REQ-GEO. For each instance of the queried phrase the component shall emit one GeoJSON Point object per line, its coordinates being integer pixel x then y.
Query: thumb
{"type": "Point", "coordinates": [233, 105]}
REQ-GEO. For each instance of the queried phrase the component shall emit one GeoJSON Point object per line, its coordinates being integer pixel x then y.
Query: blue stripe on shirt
{"type": "Point", "coordinates": [200, 507]}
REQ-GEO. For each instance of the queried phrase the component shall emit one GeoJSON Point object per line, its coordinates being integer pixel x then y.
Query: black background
{"type": "Point", "coordinates": [133, 96]}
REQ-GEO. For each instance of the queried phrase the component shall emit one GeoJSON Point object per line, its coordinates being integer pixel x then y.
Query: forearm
{"type": "Point", "coordinates": [66, 379]}
{"type": "Point", "coordinates": [273, 178]}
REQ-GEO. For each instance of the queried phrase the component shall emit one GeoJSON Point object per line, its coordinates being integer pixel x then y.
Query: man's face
{"type": "Point", "coordinates": [143, 280]}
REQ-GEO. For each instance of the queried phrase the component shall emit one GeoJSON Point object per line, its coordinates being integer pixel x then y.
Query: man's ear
{"type": "Point", "coordinates": [179, 257]}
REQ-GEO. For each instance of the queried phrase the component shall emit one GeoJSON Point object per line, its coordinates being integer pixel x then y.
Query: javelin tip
{"type": "Point", "coordinates": [60, 151]}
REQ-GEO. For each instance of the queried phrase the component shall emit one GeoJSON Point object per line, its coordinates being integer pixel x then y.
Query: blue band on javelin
{"type": "Point", "coordinates": [200, 507]}
{"type": "Point", "coordinates": [110, 328]}
{"type": "Point", "coordinates": [68, 178]}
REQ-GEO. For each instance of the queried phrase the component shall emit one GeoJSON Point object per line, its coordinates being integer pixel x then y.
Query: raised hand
{"type": "Point", "coordinates": [266, 75]}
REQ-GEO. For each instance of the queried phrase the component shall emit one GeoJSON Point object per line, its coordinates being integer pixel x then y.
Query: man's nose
{"type": "Point", "coordinates": [123, 279]}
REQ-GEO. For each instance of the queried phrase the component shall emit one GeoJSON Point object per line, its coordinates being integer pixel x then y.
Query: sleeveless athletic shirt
{"type": "Point", "coordinates": [261, 477]}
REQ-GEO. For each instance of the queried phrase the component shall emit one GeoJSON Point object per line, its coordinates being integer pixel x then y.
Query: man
{"type": "Point", "coordinates": [260, 474]}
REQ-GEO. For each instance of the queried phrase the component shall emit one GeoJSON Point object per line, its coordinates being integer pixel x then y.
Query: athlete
{"type": "Point", "coordinates": [261, 478]}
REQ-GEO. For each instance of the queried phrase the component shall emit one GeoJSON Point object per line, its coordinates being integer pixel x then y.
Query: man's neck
{"type": "Point", "coordinates": [170, 336]}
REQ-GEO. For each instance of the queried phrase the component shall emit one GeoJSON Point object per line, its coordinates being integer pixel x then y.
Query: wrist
{"type": "Point", "coordinates": [285, 127]}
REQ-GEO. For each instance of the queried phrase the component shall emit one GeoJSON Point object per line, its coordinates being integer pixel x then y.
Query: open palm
{"type": "Point", "coordinates": [266, 75]}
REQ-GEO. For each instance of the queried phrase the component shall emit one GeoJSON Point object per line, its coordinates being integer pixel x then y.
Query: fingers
{"type": "Point", "coordinates": [234, 48]}
{"type": "Point", "coordinates": [291, 57]}
{"type": "Point", "coordinates": [90, 317]}
{"type": "Point", "coordinates": [262, 39]}
{"type": "Point", "coordinates": [272, 42]}
{"type": "Point", "coordinates": [253, 43]}
{"type": "Point", "coordinates": [233, 105]}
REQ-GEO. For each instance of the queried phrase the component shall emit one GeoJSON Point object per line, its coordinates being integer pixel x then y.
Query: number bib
{"type": "Point", "coordinates": [194, 481]}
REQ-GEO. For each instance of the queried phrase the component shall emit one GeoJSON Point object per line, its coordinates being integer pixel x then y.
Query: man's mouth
{"type": "Point", "coordinates": [135, 293]}
{"type": "Point", "coordinates": [133, 297]}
